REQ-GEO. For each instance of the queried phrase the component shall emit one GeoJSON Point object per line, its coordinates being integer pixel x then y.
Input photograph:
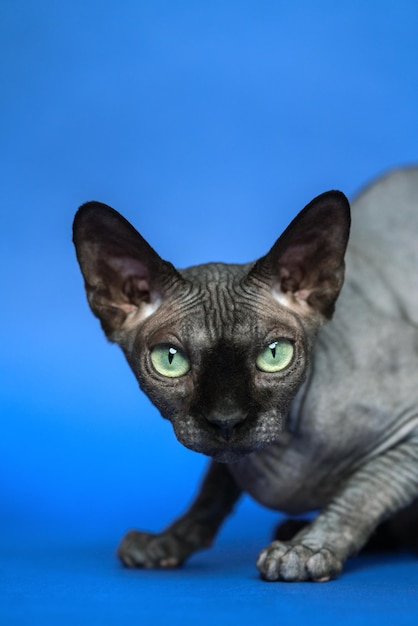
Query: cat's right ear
{"type": "Point", "coordinates": [125, 279]}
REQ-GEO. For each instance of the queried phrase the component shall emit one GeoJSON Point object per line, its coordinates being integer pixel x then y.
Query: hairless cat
{"type": "Point", "coordinates": [303, 401]}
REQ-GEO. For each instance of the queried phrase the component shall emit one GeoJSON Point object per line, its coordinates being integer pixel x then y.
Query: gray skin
{"type": "Point", "coordinates": [336, 430]}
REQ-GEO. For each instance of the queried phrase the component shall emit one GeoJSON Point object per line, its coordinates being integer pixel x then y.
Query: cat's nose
{"type": "Point", "coordinates": [226, 422]}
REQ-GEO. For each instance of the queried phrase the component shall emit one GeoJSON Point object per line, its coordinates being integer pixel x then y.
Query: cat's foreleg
{"type": "Point", "coordinates": [193, 531]}
{"type": "Point", "coordinates": [382, 486]}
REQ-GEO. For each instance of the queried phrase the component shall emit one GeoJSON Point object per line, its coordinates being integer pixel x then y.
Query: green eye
{"type": "Point", "coordinates": [169, 361]}
{"type": "Point", "coordinates": [275, 357]}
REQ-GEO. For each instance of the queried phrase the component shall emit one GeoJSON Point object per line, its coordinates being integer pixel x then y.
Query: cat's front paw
{"type": "Point", "coordinates": [139, 549]}
{"type": "Point", "coordinates": [295, 562]}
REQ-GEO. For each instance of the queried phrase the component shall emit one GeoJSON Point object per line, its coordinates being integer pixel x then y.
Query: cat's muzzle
{"type": "Point", "coordinates": [226, 438]}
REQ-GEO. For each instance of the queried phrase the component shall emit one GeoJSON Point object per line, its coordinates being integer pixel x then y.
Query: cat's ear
{"type": "Point", "coordinates": [305, 267]}
{"type": "Point", "coordinates": [125, 279]}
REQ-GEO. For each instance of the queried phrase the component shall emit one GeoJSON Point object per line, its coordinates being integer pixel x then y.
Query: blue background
{"type": "Point", "coordinates": [208, 125]}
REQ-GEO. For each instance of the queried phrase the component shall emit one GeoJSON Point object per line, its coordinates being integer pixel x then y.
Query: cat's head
{"type": "Point", "coordinates": [220, 349]}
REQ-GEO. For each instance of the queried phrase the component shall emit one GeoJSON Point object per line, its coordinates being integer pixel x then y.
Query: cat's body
{"type": "Point", "coordinates": [336, 428]}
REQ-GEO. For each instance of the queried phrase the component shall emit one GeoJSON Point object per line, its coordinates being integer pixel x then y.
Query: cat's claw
{"type": "Point", "coordinates": [295, 562]}
{"type": "Point", "coordinates": [140, 549]}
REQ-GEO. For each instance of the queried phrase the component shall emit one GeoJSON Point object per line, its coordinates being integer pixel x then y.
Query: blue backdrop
{"type": "Point", "coordinates": [208, 125]}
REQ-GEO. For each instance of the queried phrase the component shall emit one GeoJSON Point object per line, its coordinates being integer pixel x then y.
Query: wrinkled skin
{"type": "Point", "coordinates": [336, 429]}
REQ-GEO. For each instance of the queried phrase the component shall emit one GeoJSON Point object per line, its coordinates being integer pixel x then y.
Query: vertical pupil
{"type": "Point", "coordinates": [272, 347]}
{"type": "Point", "coordinates": [171, 353]}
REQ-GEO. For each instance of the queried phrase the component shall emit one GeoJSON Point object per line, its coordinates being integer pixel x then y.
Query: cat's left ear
{"type": "Point", "coordinates": [305, 267]}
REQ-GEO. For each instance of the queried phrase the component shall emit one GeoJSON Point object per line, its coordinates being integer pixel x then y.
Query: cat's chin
{"type": "Point", "coordinates": [223, 454]}
{"type": "Point", "coordinates": [230, 456]}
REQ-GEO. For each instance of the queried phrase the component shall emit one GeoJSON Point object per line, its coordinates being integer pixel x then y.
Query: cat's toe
{"type": "Point", "coordinates": [323, 565]}
{"type": "Point", "coordinates": [269, 560]}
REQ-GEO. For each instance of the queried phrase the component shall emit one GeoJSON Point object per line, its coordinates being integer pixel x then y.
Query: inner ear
{"type": "Point", "coordinates": [124, 277]}
{"type": "Point", "coordinates": [306, 264]}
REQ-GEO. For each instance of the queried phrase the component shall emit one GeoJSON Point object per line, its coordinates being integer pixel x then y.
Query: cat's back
{"type": "Point", "coordinates": [382, 258]}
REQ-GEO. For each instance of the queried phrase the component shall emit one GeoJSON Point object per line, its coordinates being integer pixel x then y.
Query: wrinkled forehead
{"type": "Point", "coordinates": [209, 275]}
{"type": "Point", "coordinates": [218, 298]}
{"type": "Point", "coordinates": [223, 304]}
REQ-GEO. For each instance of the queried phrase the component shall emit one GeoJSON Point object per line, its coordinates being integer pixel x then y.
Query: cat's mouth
{"type": "Point", "coordinates": [228, 445]}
